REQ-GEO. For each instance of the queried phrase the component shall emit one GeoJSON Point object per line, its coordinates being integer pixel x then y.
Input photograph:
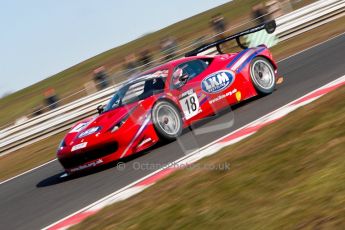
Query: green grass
{"type": "Point", "coordinates": [289, 175]}
{"type": "Point", "coordinates": [72, 79]}
{"type": "Point", "coordinates": [29, 157]}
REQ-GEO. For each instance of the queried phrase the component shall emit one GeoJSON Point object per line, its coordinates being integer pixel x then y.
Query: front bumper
{"type": "Point", "coordinates": [106, 148]}
{"type": "Point", "coordinates": [88, 155]}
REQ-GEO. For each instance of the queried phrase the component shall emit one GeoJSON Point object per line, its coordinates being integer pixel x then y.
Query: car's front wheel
{"type": "Point", "coordinates": [167, 120]}
{"type": "Point", "coordinates": [262, 75]}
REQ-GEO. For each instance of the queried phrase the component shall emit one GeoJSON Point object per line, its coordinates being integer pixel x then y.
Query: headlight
{"type": "Point", "coordinates": [62, 144]}
{"type": "Point", "coordinates": [89, 131]}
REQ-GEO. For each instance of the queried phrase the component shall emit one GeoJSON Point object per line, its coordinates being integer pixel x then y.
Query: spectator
{"type": "Point", "coordinates": [51, 99]}
{"type": "Point", "coordinates": [218, 25]}
{"type": "Point", "coordinates": [101, 78]}
{"type": "Point", "coordinates": [131, 66]}
{"type": "Point", "coordinates": [38, 110]}
{"type": "Point", "coordinates": [259, 13]}
{"type": "Point", "coordinates": [145, 58]}
{"type": "Point", "coordinates": [130, 62]}
{"type": "Point", "coordinates": [274, 8]}
{"type": "Point", "coordinates": [169, 48]}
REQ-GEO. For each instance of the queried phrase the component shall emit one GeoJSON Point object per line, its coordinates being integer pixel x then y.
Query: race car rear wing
{"type": "Point", "coordinates": [268, 26]}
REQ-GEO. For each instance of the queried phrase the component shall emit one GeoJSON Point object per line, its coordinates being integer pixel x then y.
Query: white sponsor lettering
{"type": "Point", "coordinates": [78, 128]}
{"type": "Point", "coordinates": [88, 165]}
{"type": "Point", "coordinates": [220, 97]}
{"type": "Point", "coordinates": [218, 81]}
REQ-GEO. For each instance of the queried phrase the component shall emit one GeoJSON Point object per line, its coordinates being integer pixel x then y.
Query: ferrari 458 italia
{"type": "Point", "coordinates": [160, 103]}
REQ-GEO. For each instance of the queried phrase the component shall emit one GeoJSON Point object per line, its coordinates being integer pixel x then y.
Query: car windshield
{"type": "Point", "coordinates": [142, 87]}
{"type": "Point", "coordinates": [189, 69]}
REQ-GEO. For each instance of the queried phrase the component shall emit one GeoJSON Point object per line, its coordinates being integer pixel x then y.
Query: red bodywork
{"type": "Point", "coordinates": [137, 132]}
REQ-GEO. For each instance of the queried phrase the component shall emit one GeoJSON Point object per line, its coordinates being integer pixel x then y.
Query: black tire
{"type": "Point", "coordinates": [262, 75]}
{"type": "Point", "coordinates": [167, 120]}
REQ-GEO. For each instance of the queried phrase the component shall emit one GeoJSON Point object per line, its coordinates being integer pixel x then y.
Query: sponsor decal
{"type": "Point", "coordinates": [186, 93]}
{"type": "Point", "coordinates": [217, 81]}
{"type": "Point", "coordinates": [78, 127]}
{"type": "Point", "coordinates": [190, 105]}
{"type": "Point", "coordinates": [89, 131]}
{"type": "Point", "coordinates": [238, 96]}
{"type": "Point", "coordinates": [79, 146]}
{"type": "Point", "coordinates": [202, 98]}
{"type": "Point", "coordinates": [88, 165]}
{"type": "Point", "coordinates": [220, 97]}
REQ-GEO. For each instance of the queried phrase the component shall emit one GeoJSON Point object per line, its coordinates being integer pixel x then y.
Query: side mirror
{"type": "Point", "coordinates": [270, 26]}
{"type": "Point", "coordinates": [100, 109]}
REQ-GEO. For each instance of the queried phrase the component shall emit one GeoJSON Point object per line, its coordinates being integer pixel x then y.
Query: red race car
{"type": "Point", "coordinates": [160, 103]}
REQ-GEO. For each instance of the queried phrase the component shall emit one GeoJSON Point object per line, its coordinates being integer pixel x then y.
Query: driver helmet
{"type": "Point", "coordinates": [176, 76]}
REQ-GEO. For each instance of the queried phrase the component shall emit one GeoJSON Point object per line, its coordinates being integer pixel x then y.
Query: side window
{"type": "Point", "coordinates": [143, 89]}
{"type": "Point", "coordinates": [187, 71]}
{"type": "Point", "coordinates": [134, 91]}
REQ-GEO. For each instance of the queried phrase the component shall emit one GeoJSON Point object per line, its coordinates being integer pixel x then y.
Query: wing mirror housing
{"type": "Point", "coordinates": [270, 26]}
{"type": "Point", "coordinates": [100, 109]}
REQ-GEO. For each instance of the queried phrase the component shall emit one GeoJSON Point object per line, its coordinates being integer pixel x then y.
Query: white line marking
{"type": "Point", "coordinates": [30, 170]}
{"type": "Point", "coordinates": [313, 46]}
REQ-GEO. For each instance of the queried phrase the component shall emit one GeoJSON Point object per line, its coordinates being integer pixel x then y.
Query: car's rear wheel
{"type": "Point", "coordinates": [167, 120]}
{"type": "Point", "coordinates": [262, 75]}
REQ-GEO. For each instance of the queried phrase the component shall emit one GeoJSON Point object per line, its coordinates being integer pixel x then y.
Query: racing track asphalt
{"type": "Point", "coordinates": [39, 198]}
